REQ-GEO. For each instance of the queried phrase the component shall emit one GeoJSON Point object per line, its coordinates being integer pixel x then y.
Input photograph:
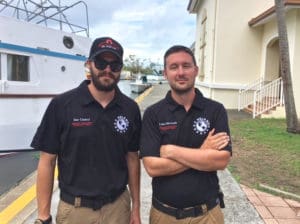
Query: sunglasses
{"type": "Point", "coordinates": [101, 64]}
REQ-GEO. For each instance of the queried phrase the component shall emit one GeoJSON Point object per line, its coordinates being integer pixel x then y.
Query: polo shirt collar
{"type": "Point", "coordinates": [87, 98]}
{"type": "Point", "coordinates": [198, 101]}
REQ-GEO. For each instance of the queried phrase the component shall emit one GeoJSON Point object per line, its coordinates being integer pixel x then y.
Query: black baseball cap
{"type": "Point", "coordinates": [106, 44]}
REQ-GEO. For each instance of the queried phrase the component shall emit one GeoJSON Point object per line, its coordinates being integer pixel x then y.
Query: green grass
{"type": "Point", "coordinates": [270, 132]}
{"type": "Point", "coordinates": [263, 152]}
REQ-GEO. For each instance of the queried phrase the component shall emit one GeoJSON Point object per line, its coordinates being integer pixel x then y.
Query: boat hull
{"type": "Point", "coordinates": [139, 87]}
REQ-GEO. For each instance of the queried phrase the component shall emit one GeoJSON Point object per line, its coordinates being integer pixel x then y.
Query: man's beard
{"type": "Point", "coordinates": [103, 86]}
{"type": "Point", "coordinates": [181, 91]}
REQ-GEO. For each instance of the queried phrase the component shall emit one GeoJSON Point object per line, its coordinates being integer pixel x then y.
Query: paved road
{"type": "Point", "coordinates": [15, 167]}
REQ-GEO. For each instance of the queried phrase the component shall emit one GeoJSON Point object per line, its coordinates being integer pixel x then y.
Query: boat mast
{"type": "Point", "coordinates": [46, 12]}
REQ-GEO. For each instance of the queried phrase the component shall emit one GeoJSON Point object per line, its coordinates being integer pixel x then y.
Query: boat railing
{"type": "Point", "coordinates": [47, 13]}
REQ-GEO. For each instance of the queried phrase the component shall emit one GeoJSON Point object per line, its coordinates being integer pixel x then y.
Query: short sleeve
{"type": "Point", "coordinates": [47, 135]}
{"type": "Point", "coordinates": [221, 124]}
{"type": "Point", "coordinates": [150, 135]}
{"type": "Point", "coordinates": [135, 139]}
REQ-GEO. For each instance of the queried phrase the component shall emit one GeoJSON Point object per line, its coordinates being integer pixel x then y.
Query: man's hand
{"type": "Point", "coordinates": [215, 141]}
{"type": "Point", "coordinates": [166, 150]}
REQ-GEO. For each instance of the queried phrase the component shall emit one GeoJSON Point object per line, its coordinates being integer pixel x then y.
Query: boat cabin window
{"type": "Point", "coordinates": [68, 42]}
{"type": "Point", "coordinates": [17, 68]}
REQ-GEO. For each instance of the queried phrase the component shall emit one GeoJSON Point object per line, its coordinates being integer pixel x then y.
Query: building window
{"type": "Point", "coordinates": [17, 68]}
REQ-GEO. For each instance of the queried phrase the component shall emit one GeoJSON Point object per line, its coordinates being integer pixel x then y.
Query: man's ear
{"type": "Point", "coordinates": [87, 69]}
{"type": "Point", "coordinates": [87, 64]}
{"type": "Point", "coordinates": [165, 74]}
{"type": "Point", "coordinates": [196, 70]}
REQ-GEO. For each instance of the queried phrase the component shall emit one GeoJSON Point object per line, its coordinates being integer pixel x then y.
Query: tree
{"type": "Point", "coordinates": [132, 64]}
{"type": "Point", "coordinates": [293, 125]}
{"type": "Point", "coordinates": [137, 65]}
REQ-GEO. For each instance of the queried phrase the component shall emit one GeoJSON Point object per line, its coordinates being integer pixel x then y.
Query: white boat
{"type": "Point", "coordinates": [137, 87]}
{"type": "Point", "coordinates": [140, 84]}
{"type": "Point", "coordinates": [157, 77]}
{"type": "Point", "coordinates": [37, 62]}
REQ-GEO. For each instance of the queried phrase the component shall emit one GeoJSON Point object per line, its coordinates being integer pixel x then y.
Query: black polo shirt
{"type": "Point", "coordinates": [167, 122]}
{"type": "Point", "coordinates": [91, 141]}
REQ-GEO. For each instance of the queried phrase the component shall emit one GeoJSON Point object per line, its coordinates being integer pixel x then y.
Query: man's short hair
{"type": "Point", "coordinates": [179, 48]}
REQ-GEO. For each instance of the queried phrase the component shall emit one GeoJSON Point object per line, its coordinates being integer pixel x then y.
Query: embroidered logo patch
{"type": "Point", "coordinates": [121, 124]}
{"type": "Point", "coordinates": [201, 126]}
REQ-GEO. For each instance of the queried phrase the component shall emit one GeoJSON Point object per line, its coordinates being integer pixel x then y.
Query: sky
{"type": "Point", "coordinates": [145, 28]}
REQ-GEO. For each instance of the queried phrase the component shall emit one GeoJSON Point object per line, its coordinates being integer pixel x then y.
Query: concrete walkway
{"type": "Point", "coordinates": [240, 208]}
{"type": "Point", "coordinates": [273, 209]}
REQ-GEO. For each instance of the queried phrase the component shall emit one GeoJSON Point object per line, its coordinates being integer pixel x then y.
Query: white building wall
{"type": "Point", "coordinates": [291, 21]}
{"type": "Point", "coordinates": [209, 6]}
{"type": "Point", "coordinates": [235, 53]}
{"type": "Point", "coordinates": [269, 34]}
{"type": "Point", "coordinates": [238, 46]}
{"type": "Point", "coordinates": [296, 65]}
{"type": "Point", "coordinates": [231, 45]}
{"type": "Point", "coordinates": [293, 28]}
